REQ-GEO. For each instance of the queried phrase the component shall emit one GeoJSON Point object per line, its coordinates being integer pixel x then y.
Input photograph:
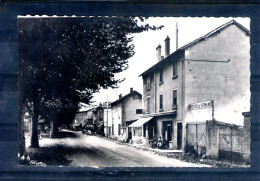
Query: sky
{"type": "Point", "coordinates": [145, 48]}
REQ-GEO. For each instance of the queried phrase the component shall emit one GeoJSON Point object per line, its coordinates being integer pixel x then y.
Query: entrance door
{"type": "Point", "coordinates": [129, 132]}
{"type": "Point", "coordinates": [179, 136]}
{"type": "Point", "coordinates": [150, 131]}
{"type": "Point", "coordinates": [167, 130]}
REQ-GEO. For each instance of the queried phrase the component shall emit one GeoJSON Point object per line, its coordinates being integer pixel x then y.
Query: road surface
{"type": "Point", "coordinates": [95, 151]}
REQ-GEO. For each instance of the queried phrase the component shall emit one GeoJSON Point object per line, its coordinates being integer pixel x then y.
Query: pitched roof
{"type": "Point", "coordinates": [89, 109]}
{"type": "Point", "coordinates": [216, 31]}
{"type": "Point", "coordinates": [181, 49]}
{"type": "Point", "coordinates": [127, 95]}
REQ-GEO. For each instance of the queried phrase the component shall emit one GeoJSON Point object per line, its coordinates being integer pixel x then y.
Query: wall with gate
{"type": "Point", "coordinates": [196, 137]}
{"type": "Point", "coordinates": [218, 140]}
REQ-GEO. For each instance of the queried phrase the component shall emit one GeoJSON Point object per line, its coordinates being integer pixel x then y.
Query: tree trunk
{"type": "Point", "coordinates": [54, 129]}
{"type": "Point", "coordinates": [34, 134]}
{"type": "Point", "coordinates": [21, 110]}
{"type": "Point", "coordinates": [21, 138]}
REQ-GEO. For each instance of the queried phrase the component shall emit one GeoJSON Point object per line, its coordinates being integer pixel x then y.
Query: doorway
{"type": "Point", "coordinates": [129, 132]}
{"type": "Point", "coordinates": [179, 136]}
{"type": "Point", "coordinates": [167, 130]}
{"type": "Point", "coordinates": [152, 129]}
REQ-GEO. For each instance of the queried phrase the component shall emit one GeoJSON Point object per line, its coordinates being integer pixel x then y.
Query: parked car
{"type": "Point", "coordinates": [75, 127]}
{"type": "Point", "coordinates": [88, 129]}
{"type": "Point", "coordinates": [47, 128]}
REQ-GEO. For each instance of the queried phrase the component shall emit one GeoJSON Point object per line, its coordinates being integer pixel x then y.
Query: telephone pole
{"type": "Point", "coordinates": [177, 36]}
{"type": "Point", "coordinates": [107, 115]}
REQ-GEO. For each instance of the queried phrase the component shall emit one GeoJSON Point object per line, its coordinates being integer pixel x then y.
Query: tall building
{"type": "Point", "coordinates": [211, 72]}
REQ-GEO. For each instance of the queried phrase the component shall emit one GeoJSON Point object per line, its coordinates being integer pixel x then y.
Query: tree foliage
{"type": "Point", "coordinates": [63, 61]}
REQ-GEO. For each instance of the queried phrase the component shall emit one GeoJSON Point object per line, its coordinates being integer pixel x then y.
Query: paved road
{"type": "Point", "coordinates": [94, 151]}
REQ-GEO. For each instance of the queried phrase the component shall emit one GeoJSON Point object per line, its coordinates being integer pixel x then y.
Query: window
{"type": "Point", "coordinates": [112, 128]}
{"type": "Point", "coordinates": [144, 130]}
{"type": "Point", "coordinates": [148, 105]}
{"type": "Point", "coordinates": [137, 131]}
{"type": "Point", "coordinates": [174, 103]}
{"type": "Point", "coordinates": [161, 102]}
{"type": "Point", "coordinates": [174, 70]}
{"type": "Point", "coordinates": [119, 129]}
{"type": "Point", "coordinates": [161, 76]}
{"type": "Point", "coordinates": [139, 111]}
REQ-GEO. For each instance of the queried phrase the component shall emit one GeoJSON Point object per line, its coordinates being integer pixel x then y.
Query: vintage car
{"type": "Point", "coordinates": [75, 127]}
{"type": "Point", "coordinates": [88, 129]}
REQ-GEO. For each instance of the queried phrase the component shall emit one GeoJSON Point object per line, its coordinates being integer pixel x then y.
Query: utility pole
{"type": "Point", "coordinates": [177, 36]}
{"type": "Point", "coordinates": [107, 115]}
{"type": "Point", "coordinates": [212, 106]}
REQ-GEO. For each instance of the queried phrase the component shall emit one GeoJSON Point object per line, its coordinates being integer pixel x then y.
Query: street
{"type": "Point", "coordinates": [76, 149]}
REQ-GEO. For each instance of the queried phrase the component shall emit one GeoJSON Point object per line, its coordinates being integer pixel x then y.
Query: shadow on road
{"type": "Point", "coordinates": [66, 134]}
{"type": "Point", "coordinates": [60, 134]}
{"type": "Point", "coordinates": [51, 156]}
{"type": "Point", "coordinates": [58, 155]}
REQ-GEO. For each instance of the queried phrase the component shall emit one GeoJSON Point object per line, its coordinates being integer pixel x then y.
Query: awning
{"type": "Point", "coordinates": [140, 122]}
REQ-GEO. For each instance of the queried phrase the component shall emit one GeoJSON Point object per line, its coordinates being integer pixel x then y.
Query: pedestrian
{"type": "Point", "coordinates": [159, 142]}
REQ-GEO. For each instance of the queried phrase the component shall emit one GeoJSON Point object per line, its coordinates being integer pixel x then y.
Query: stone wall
{"type": "Point", "coordinates": [220, 141]}
{"type": "Point", "coordinates": [247, 136]}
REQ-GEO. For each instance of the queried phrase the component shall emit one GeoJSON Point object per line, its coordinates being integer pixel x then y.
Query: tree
{"type": "Point", "coordinates": [63, 61]}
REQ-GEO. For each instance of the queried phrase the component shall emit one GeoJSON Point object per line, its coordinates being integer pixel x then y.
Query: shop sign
{"type": "Point", "coordinates": [201, 105]}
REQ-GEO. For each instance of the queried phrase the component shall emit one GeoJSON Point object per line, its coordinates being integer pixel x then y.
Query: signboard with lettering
{"type": "Point", "coordinates": [201, 105]}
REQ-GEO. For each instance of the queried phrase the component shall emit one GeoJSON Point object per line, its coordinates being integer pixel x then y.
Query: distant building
{"type": "Point", "coordinates": [213, 67]}
{"type": "Point", "coordinates": [92, 116]}
{"type": "Point", "coordinates": [107, 118]}
{"type": "Point", "coordinates": [124, 112]}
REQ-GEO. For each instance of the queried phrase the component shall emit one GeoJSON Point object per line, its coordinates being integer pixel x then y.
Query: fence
{"type": "Point", "coordinates": [220, 140]}
{"type": "Point", "coordinates": [196, 137]}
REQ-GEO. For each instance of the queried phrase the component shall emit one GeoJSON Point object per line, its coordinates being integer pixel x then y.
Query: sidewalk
{"type": "Point", "coordinates": [154, 149]}
{"type": "Point", "coordinates": [178, 154]}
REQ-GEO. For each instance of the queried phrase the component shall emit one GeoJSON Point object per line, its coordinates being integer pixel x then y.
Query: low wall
{"type": "Point", "coordinates": [221, 141]}
{"type": "Point", "coordinates": [228, 142]}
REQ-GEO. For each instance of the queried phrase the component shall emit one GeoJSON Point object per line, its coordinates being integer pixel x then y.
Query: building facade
{"type": "Point", "coordinates": [125, 111]}
{"type": "Point", "coordinates": [214, 67]}
{"type": "Point", "coordinates": [107, 119]}
{"type": "Point", "coordinates": [92, 116]}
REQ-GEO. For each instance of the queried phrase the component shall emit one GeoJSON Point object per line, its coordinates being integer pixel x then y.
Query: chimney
{"type": "Point", "coordinates": [167, 46]}
{"type": "Point", "coordinates": [158, 52]}
{"type": "Point", "coordinates": [131, 89]}
{"type": "Point", "coordinates": [120, 96]}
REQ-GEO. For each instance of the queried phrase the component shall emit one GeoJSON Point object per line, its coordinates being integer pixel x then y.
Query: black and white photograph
{"type": "Point", "coordinates": [123, 91]}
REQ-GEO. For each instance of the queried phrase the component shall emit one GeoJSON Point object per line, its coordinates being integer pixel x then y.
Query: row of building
{"type": "Point", "coordinates": [209, 78]}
